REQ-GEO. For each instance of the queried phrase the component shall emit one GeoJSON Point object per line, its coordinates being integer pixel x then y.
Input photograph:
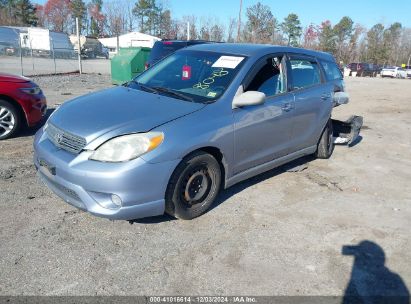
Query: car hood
{"type": "Point", "coordinates": [121, 108]}
{"type": "Point", "coordinates": [12, 78]}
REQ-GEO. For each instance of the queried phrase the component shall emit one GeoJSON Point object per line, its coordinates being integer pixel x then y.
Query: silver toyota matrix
{"type": "Point", "coordinates": [200, 120]}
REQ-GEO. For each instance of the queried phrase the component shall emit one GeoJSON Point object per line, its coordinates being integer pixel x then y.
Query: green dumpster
{"type": "Point", "coordinates": [128, 63]}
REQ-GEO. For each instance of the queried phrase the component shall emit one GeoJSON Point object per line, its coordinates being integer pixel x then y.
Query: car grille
{"type": "Point", "coordinates": [66, 191]}
{"type": "Point", "coordinates": [64, 140]}
{"type": "Point", "coordinates": [55, 187]}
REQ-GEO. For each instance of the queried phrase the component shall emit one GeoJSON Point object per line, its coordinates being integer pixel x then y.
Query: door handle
{"type": "Point", "coordinates": [287, 107]}
{"type": "Point", "coordinates": [325, 96]}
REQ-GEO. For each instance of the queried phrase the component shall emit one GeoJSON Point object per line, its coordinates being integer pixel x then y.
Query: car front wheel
{"type": "Point", "coordinates": [193, 186]}
{"type": "Point", "coordinates": [9, 119]}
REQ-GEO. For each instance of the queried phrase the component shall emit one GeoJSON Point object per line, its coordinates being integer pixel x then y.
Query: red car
{"type": "Point", "coordinates": [22, 104]}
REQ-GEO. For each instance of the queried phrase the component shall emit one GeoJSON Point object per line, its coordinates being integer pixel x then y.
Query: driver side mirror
{"type": "Point", "coordinates": [249, 98]}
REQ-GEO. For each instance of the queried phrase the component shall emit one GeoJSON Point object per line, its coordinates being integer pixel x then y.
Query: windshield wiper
{"type": "Point", "coordinates": [173, 93]}
{"type": "Point", "coordinates": [145, 87]}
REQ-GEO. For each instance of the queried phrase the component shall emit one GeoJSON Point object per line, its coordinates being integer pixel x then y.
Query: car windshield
{"type": "Point", "coordinates": [196, 76]}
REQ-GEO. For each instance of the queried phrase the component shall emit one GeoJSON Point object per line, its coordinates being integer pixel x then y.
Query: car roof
{"type": "Point", "coordinates": [257, 49]}
{"type": "Point", "coordinates": [188, 42]}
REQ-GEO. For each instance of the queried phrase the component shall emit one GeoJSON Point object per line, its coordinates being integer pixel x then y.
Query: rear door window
{"type": "Point", "coordinates": [332, 72]}
{"type": "Point", "coordinates": [305, 73]}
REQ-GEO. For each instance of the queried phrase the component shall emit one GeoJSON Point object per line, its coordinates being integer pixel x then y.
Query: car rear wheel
{"type": "Point", "coordinates": [9, 120]}
{"type": "Point", "coordinates": [193, 186]}
{"type": "Point", "coordinates": [325, 146]}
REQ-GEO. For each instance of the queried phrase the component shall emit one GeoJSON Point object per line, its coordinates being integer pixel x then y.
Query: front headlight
{"type": "Point", "coordinates": [31, 91]}
{"type": "Point", "coordinates": [127, 147]}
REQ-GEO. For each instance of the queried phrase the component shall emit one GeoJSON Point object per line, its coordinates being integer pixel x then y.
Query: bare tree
{"type": "Point", "coordinates": [116, 21]}
{"type": "Point", "coordinates": [232, 25]}
{"type": "Point", "coordinates": [310, 37]}
{"type": "Point", "coordinates": [260, 24]}
{"type": "Point", "coordinates": [192, 20]}
{"type": "Point", "coordinates": [356, 44]}
{"type": "Point", "coordinates": [130, 19]}
{"type": "Point", "coordinates": [205, 28]}
{"type": "Point", "coordinates": [404, 51]}
{"type": "Point", "coordinates": [217, 32]}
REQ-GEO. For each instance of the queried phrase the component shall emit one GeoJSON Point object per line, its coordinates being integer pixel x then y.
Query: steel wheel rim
{"type": "Point", "coordinates": [196, 187]}
{"type": "Point", "coordinates": [7, 121]}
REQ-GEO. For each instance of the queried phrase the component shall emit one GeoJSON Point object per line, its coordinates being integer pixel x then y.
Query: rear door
{"type": "Point", "coordinates": [333, 74]}
{"type": "Point", "coordinates": [313, 101]}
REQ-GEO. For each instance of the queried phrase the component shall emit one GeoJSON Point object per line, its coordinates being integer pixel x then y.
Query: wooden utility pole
{"type": "Point", "coordinates": [239, 21]}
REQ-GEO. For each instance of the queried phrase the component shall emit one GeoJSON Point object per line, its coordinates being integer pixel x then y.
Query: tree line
{"type": "Point", "coordinates": [346, 40]}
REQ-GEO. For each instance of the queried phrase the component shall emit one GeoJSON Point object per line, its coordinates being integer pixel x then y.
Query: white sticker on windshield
{"type": "Point", "coordinates": [229, 62]}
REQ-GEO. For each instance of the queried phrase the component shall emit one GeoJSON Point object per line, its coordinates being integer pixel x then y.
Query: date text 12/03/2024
{"type": "Point", "coordinates": [203, 299]}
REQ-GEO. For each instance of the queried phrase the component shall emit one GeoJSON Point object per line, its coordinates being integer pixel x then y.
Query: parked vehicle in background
{"type": "Point", "coordinates": [105, 52]}
{"type": "Point", "coordinates": [90, 47]}
{"type": "Point", "coordinates": [164, 48]}
{"type": "Point", "coordinates": [363, 69]}
{"type": "Point", "coordinates": [22, 103]}
{"type": "Point", "coordinates": [204, 118]}
{"type": "Point", "coordinates": [393, 72]}
{"type": "Point", "coordinates": [408, 71]}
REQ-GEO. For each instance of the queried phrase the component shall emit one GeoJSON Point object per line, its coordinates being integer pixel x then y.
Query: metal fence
{"type": "Point", "coordinates": [21, 54]}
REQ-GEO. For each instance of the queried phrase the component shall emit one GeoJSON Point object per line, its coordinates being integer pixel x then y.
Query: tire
{"type": "Point", "coordinates": [10, 119]}
{"type": "Point", "coordinates": [325, 146]}
{"type": "Point", "coordinates": [193, 186]}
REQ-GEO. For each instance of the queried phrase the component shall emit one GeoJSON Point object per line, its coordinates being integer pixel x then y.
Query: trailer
{"type": "Point", "coordinates": [9, 41]}
{"type": "Point", "coordinates": [44, 43]}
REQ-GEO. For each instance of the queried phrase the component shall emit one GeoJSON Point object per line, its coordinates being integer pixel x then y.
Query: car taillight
{"type": "Point", "coordinates": [146, 65]}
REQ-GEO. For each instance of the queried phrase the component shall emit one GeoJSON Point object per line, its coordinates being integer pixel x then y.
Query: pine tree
{"type": "Point", "coordinates": [79, 10]}
{"type": "Point", "coordinates": [326, 37]}
{"type": "Point", "coordinates": [143, 10]}
{"type": "Point", "coordinates": [377, 49]}
{"type": "Point", "coordinates": [19, 12]}
{"type": "Point", "coordinates": [292, 29]}
{"type": "Point", "coordinates": [343, 31]}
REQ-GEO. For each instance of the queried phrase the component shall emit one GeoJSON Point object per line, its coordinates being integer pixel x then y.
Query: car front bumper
{"type": "Point", "coordinates": [389, 74]}
{"type": "Point", "coordinates": [89, 185]}
{"type": "Point", "coordinates": [35, 108]}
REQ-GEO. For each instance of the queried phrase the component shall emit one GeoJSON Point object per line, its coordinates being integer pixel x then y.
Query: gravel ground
{"type": "Point", "coordinates": [280, 233]}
